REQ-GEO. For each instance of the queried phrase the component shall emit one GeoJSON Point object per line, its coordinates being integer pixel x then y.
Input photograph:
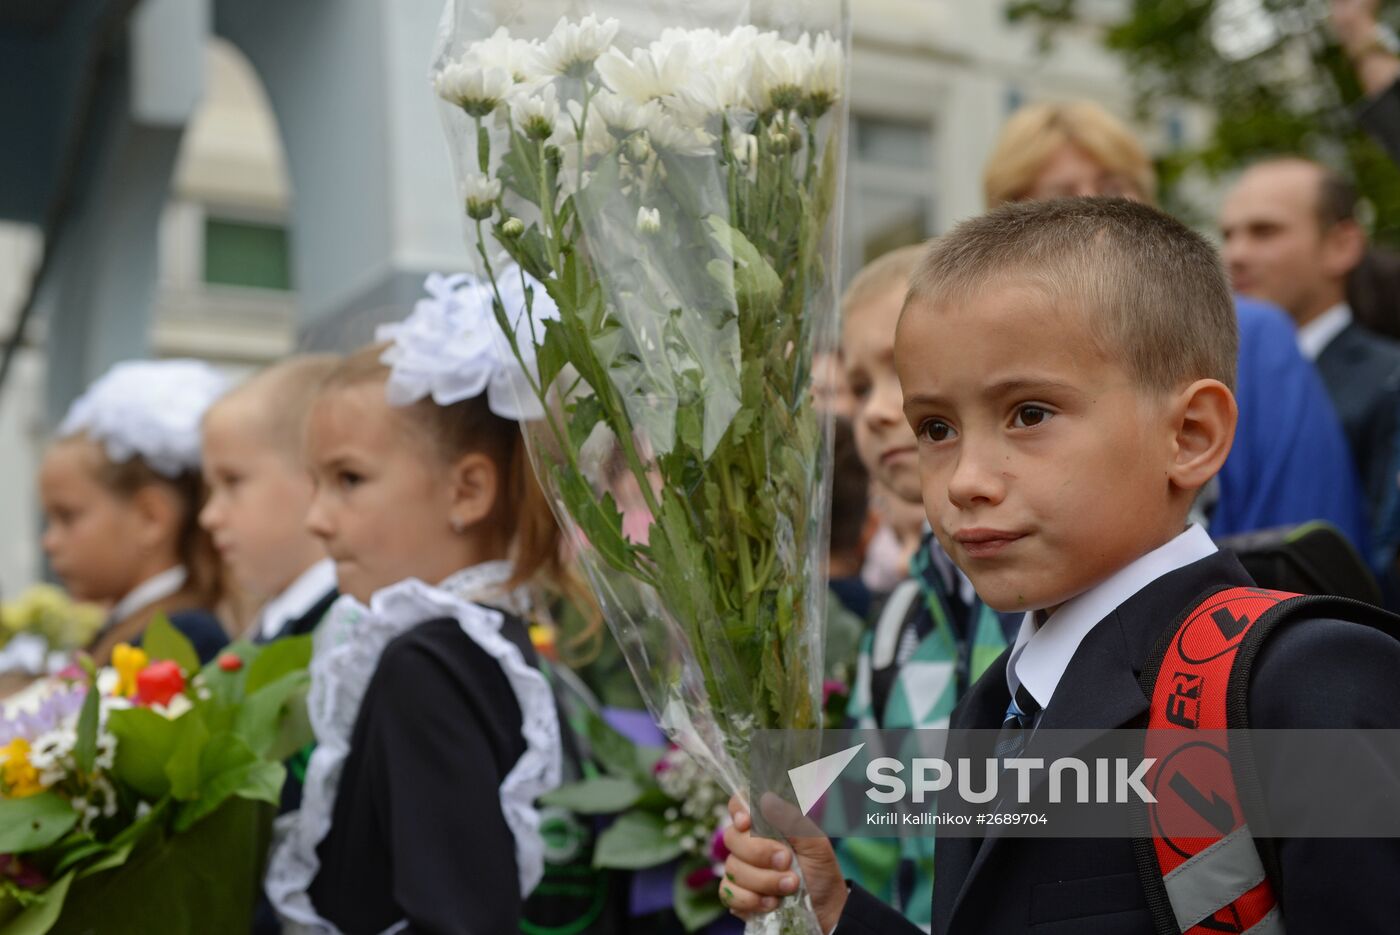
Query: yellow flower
{"type": "Point", "coordinates": [16, 772]}
{"type": "Point", "coordinates": [128, 661]}
{"type": "Point", "coordinates": [542, 636]}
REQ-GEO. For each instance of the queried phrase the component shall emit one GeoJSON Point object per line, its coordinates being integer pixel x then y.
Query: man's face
{"type": "Point", "coordinates": [1043, 464]}
{"type": "Point", "coordinates": [883, 439]}
{"type": "Point", "coordinates": [1275, 247]}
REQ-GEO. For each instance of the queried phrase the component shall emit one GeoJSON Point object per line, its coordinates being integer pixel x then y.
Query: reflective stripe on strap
{"type": "Point", "coordinates": [1271, 924]}
{"type": "Point", "coordinates": [1215, 878]}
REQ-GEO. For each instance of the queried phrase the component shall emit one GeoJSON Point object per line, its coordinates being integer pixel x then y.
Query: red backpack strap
{"type": "Point", "coordinates": [1217, 879]}
{"type": "Point", "coordinates": [1205, 876]}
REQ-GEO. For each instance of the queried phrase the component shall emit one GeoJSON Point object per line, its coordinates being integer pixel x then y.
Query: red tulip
{"type": "Point", "coordinates": [159, 682]}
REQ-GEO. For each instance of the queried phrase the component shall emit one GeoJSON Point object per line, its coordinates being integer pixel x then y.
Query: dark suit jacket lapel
{"type": "Point", "coordinates": [1110, 661]}
{"type": "Point", "coordinates": [306, 623]}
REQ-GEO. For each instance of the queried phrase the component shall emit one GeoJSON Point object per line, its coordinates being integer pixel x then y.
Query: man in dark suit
{"type": "Point", "coordinates": [1291, 237]}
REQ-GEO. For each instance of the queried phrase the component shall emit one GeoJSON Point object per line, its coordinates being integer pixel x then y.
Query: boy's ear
{"type": "Point", "coordinates": [474, 483]}
{"type": "Point", "coordinates": [1203, 422]}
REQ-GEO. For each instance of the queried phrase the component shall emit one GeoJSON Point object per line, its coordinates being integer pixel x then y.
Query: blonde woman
{"type": "Point", "coordinates": [1290, 463]}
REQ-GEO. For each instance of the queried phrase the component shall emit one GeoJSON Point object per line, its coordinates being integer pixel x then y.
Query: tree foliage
{"type": "Point", "coordinates": [1269, 70]}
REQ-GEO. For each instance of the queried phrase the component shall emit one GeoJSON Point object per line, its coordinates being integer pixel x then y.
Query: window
{"type": "Point", "coordinates": [242, 253]}
{"type": "Point", "coordinates": [890, 186]}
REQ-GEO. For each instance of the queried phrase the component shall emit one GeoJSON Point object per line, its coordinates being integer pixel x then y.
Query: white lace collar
{"type": "Point", "coordinates": [485, 584]}
{"type": "Point", "coordinates": [155, 588]}
{"type": "Point", "coordinates": [347, 650]}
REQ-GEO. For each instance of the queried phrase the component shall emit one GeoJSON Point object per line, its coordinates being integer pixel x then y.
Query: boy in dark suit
{"type": "Point", "coordinates": [1067, 367]}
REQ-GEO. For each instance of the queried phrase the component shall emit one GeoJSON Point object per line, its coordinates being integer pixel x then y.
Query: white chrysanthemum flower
{"type": "Point", "coordinates": [535, 112]}
{"type": "Point", "coordinates": [648, 220]}
{"type": "Point", "coordinates": [477, 89]}
{"type": "Point", "coordinates": [646, 76]}
{"type": "Point", "coordinates": [519, 58]}
{"type": "Point", "coordinates": [481, 194]}
{"type": "Point", "coordinates": [670, 135]}
{"type": "Point", "coordinates": [572, 48]}
{"type": "Point", "coordinates": [826, 76]}
{"type": "Point", "coordinates": [780, 70]}
{"type": "Point", "coordinates": [620, 116]}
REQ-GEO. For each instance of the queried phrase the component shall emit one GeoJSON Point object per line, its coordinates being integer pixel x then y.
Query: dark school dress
{"type": "Point", "coordinates": [417, 830]}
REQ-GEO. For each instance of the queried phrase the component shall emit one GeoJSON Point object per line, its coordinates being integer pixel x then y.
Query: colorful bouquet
{"type": "Point", "coordinates": [126, 792]}
{"type": "Point", "coordinates": [655, 224]}
{"type": "Point", "coordinates": [669, 812]}
{"type": "Point", "coordinates": [42, 625]}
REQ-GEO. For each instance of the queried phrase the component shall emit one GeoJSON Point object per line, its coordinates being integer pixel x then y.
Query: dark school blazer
{"type": "Point", "coordinates": [1362, 372]}
{"type": "Point", "coordinates": [1310, 674]}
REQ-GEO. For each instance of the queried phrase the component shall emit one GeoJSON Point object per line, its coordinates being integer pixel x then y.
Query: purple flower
{"type": "Point", "coordinates": [719, 852]}
{"type": "Point", "coordinates": [56, 708]}
{"type": "Point", "coordinates": [23, 874]}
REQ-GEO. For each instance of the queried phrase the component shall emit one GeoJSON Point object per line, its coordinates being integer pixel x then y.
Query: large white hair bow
{"type": "Point", "coordinates": [150, 408]}
{"type": "Point", "coordinates": [451, 347]}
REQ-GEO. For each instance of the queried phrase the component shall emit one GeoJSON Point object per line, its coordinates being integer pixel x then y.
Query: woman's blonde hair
{"type": "Point", "coordinates": [1037, 131]}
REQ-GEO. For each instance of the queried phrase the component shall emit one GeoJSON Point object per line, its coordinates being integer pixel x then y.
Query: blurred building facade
{"type": "Point", "coordinates": [273, 175]}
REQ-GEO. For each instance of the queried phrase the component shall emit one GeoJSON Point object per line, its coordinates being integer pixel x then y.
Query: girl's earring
{"type": "Point", "coordinates": [458, 526]}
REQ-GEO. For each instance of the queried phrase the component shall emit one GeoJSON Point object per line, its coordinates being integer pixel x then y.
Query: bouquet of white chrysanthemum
{"type": "Point", "coordinates": [653, 212]}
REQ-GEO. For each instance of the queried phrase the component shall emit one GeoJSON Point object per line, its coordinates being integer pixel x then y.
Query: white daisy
{"type": "Point", "coordinates": [572, 48]}
{"type": "Point", "coordinates": [477, 90]}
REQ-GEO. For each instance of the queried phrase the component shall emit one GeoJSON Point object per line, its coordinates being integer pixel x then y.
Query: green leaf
{"type": "Point", "coordinates": [551, 355]}
{"type": "Point", "coordinates": [41, 914]}
{"type": "Point", "coordinates": [757, 286]}
{"type": "Point", "coordinates": [34, 822]}
{"type": "Point", "coordinates": [145, 742]}
{"type": "Point", "coordinates": [605, 795]}
{"type": "Point", "coordinates": [115, 857]}
{"type": "Point", "coordinates": [261, 717]}
{"type": "Point", "coordinates": [73, 856]}
{"type": "Point", "coordinates": [162, 641]}
{"type": "Point", "coordinates": [182, 768]}
{"type": "Point", "coordinates": [292, 654]}
{"type": "Point", "coordinates": [600, 520]}
{"type": "Point", "coordinates": [696, 908]}
{"type": "Point", "coordinates": [228, 768]}
{"type": "Point", "coordinates": [618, 755]}
{"type": "Point", "coordinates": [85, 746]}
{"type": "Point", "coordinates": [636, 840]}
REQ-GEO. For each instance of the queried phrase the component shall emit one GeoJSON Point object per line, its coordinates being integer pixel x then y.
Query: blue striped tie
{"type": "Point", "coordinates": [1016, 726]}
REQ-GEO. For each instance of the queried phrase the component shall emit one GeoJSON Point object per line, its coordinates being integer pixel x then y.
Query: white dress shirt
{"type": "Point", "coordinates": [298, 598]}
{"type": "Point", "coordinates": [155, 588]}
{"type": "Point", "coordinates": [1042, 651]}
{"type": "Point", "coordinates": [1314, 337]}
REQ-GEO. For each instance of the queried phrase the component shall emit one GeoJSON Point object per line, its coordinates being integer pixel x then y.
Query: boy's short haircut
{"type": "Point", "coordinates": [881, 275]}
{"type": "Point", "coordinates": [1153, 290]}
{"type": "Point", "coordinates": [1036, 132]}
{"type": "Point", "coordinates": [282, 395]}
